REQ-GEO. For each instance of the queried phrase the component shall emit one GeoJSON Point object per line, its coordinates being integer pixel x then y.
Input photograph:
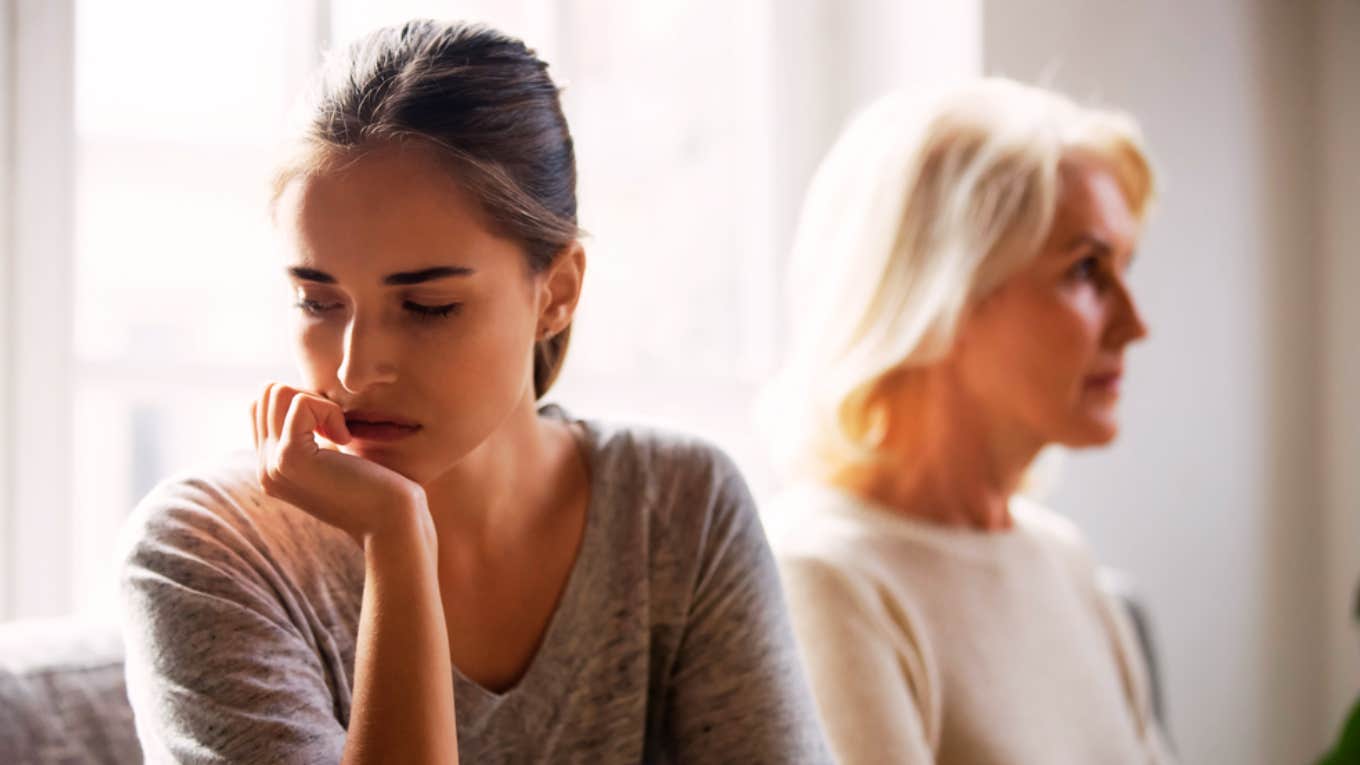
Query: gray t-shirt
{"type": "Point", "coordinates": [671, 642]}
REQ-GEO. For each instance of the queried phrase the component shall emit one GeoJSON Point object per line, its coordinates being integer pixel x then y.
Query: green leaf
{"type": "Point", "coordinates": [1347, 750]}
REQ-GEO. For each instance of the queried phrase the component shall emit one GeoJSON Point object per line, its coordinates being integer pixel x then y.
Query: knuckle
{"type": "Point", "coordinates": [287, 460]}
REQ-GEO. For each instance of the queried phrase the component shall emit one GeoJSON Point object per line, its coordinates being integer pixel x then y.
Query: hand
{"type": "Point", "coordinates": [355, 495]}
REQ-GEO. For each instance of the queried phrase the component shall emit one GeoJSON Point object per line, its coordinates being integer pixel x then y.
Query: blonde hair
{"type": "Point", "coordinates": [924, 205]}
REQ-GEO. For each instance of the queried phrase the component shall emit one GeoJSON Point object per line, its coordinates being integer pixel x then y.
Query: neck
{"type": "Point", "coordinates": [944, 457]}
{"type": "Point", "coordinates": [485, 499]}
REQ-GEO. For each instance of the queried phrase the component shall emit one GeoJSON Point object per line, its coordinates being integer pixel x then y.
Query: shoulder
{"type": "Point", "coordinates": [826, 554]}
{"type": "Point", "coordinates": [1061, 539]}
{"type": "Point", "coordinates": [215, 520]}
{"type": "Point", "coordinates": [813, 527]}
{"type": "Point", "coordinates": [674, 478]}
{"type": "Point", "coordinates": [848, 596]}
{"type": "Point", "coordinates": [194, 507]}
{"type": "Point", "coordinates": [681, 504]}
{"type": "Point", "coordinates": [632, 451]}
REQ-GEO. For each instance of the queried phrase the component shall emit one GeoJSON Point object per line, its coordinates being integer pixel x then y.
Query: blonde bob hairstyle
{"type": "Point", "coordinates": [922, 207]}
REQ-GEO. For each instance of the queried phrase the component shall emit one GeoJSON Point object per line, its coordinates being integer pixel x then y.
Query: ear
{"type": "Point", "coordinates": [561, 289]}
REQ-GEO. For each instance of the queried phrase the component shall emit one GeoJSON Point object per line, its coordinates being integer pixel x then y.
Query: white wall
{"type": "Point", "coordinates": [1213, 496]}
{"type": "Point", "coordinates": [1339, 105]}
{"type": "Point", "coordinates": [833, 57]}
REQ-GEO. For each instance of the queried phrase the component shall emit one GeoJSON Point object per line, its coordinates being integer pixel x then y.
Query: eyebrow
{"type": "Point", "coordinates": [399, 279]}
{"type": "Point", "coordinates": [1102, 247]}
{"type": "Point", "coordinates": [425, 275]}
{"type": "Point", "coordinates": [1087, 238]}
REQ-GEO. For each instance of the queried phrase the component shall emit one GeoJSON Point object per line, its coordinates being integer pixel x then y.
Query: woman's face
{"type": "Point", "coordinates": [410, 313]}
{"type": "Point", "coordinates": [1045, 351]}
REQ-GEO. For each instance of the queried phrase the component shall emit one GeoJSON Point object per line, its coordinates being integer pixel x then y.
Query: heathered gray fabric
{"type": "Point", "coordinates": [670, 644]}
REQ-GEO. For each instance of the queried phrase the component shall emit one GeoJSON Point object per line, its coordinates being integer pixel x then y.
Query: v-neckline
{"type": "Point", "coordinates": [566, 608]}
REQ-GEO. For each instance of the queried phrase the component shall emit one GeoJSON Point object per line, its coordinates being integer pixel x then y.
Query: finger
{"type": "Point", "coordinates": [254, 424]}
{"type": "Point", "coordinates": [261, 410]}
{"type": "Point", "coordinates": [262, 447]}
{"type": "Point", "coordinates": [280, 397]}
{"type": "Point", "coordinates": [330, 418]}
{"type": "Point", "coordinates": [300, 422]}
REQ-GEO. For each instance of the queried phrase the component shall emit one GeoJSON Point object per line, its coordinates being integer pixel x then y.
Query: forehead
{"type": "Point", "coordinates": [393, 209]}
{"type": "Point", "coordinates": [1091, 201]}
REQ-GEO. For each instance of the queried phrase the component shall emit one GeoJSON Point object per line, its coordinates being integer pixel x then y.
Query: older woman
{"type": "Point", "coordinates": [960, 282]}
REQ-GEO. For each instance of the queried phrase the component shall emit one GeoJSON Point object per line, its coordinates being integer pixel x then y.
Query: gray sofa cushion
{"type": "Point", "coordinates": [62, 695]}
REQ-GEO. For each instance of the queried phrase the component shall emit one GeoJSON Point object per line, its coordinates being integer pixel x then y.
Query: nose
{"type": "Point", "coordinates": [367, 360]}
{"type": "Point", "coordinates": [1127, 324]}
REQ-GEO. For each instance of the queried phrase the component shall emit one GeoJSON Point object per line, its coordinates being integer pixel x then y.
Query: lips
{"type": "Point", "coordinates": [1108, 381]}
{"type": "Point", "coordinates": [379, 426]}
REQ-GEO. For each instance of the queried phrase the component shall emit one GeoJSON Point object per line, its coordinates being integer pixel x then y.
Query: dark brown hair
{"type": "Point", "coordinates": [485, 103]}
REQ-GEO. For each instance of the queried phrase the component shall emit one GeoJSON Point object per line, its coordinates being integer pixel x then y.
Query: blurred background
{"type": "Point", "coordinates": [142, 305]}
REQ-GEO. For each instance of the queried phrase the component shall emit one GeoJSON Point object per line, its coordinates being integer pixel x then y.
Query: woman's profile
{"type": "Point", "coordinates": [418, 562]}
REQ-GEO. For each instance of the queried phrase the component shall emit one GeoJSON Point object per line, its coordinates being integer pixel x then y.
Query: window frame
{"type": "Point", "coordinates": [38, 140]}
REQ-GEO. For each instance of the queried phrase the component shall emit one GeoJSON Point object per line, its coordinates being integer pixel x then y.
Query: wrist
{"type": "Point", "coordinates": [403, 524]}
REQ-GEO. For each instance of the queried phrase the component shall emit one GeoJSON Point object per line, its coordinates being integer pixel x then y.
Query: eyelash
{"type": "Point", "coordinates": [312, 307]}
{"type": "Point", "coordinates": [432, 312]}
{"type": "Point", "coordinates": [418, 311]}
{"type": "Point", "coordinates": [1086, 268]}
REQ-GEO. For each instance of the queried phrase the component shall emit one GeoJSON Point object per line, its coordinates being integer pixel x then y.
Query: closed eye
{"type": "Point", "coordinates": [421, 311]}
{"type": "Point", "coordinates": [315, 307]}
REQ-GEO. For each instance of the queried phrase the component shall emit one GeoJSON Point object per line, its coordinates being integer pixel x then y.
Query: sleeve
{"type": "Point", "coordinates": [737, 691]}
{"type": "Point", "coordinates": [871, 694]}
{"type": "Point", "coordinates": [216, 672]}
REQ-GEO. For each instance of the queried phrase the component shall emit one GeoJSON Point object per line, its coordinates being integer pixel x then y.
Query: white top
{"type": "Point", "coordinates": [928, 643]}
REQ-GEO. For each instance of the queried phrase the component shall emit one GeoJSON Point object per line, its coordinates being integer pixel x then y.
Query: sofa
{"type": "Point", "coordinates": [63, 700]}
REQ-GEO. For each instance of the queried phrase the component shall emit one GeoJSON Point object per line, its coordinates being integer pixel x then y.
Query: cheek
{"type": "Point", "coordinates": [316, 350]}
{"type": "Point", "coordinates": [481, 361]}
{"type": "Point", "coordinates": [1065, 336]}
{"type": "Point", "coordinates": [1032, 350]}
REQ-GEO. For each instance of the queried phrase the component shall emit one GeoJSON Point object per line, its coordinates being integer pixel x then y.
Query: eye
{"type": "Point", "coordinates": [315, 307]}
{"type": "Point", "coordinates": [1085, 269]}
{"type": "Point", "coordinates": [430, 312]}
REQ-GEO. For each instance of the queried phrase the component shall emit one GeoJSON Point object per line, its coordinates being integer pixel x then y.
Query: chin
{"type": "Point", "coordinates": [394, 460]}
{"type": "Point", "coordinates": [1091, 433]}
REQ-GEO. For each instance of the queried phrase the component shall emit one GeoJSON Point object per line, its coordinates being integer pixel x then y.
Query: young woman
{"type": "Point", "coordinates": [417, 563]}
{"type": "Point", "coordinates": [961, 278]}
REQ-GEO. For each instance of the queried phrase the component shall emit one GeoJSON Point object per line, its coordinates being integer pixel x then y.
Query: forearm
{"type": "Point", "coordinates": [403, 679]}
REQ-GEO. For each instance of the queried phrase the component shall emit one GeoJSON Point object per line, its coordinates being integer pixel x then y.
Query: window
{"type": "Point", "coordinates": [160, 310]}
{"type": "Point", "coordinates": [178, 302]}
{"type": "Point", "coordinates": [177, 319]}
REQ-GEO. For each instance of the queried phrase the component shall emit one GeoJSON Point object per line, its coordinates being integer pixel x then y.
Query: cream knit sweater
{"type": "Point", "coordinates": [927, 643]}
